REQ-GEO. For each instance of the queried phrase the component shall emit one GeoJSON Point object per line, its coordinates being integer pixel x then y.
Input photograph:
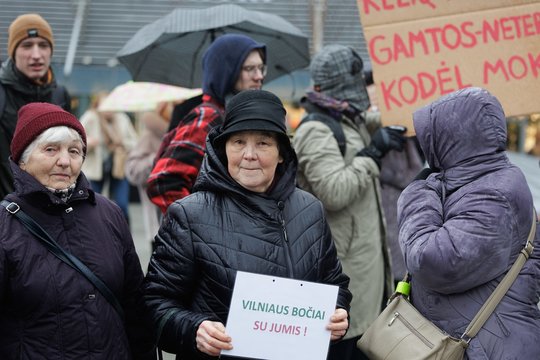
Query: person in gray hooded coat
{"type": "Point", "coordinates": [463, 222]}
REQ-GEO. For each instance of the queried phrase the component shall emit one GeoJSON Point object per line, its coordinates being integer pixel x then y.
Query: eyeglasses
{"type": "Point", "coordinates": [251, 69]}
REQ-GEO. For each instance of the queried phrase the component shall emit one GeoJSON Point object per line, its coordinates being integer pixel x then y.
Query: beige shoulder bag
{"type": "Point", "coordinates": [401, 332]}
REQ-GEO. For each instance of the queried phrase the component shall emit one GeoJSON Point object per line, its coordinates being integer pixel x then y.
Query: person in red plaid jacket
{"type": "Point", "coordinates": [232, 63]}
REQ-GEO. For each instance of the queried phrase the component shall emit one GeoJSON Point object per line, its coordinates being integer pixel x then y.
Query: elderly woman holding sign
{"type": "Point", "coordinates": [245, 214]}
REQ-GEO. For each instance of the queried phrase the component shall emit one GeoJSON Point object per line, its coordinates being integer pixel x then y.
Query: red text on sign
{"type": "Point", "coordinates": [423, 85]}
{"type": "Point", "coordinates": [390, 5]}
{"type": "Point", "coordinates": [465, 35]}
{"type": "Point", "coordinates": [516, 67]}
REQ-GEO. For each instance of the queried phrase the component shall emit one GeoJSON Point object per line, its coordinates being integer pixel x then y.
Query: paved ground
{"type": "Point", "coordinates": [528, 164]}
{"type": "Point", "coordinates": [142, 245]}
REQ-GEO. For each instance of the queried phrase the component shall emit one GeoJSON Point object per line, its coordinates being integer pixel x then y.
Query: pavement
{"type": "Point", "coordinates": [142, 245]}
{"type": "Point", "coordinates": [527, 163]}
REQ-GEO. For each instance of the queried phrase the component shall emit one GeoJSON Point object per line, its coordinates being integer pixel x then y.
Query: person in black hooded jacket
{"type": "Point", "coordinates": [245, 214]}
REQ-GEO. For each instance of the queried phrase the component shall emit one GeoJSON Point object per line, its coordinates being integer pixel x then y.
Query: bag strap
{"type": "Point", "coordinates": [333, 124]}
{"type": "Point", "coordinates": [51, 245]}
{"type": "Point", "coordinates": [403, 287]}
{"type": "Point", "coordinates": [491, 303]}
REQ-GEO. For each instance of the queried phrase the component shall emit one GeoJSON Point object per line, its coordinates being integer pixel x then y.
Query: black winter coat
{"type": "Point", "coordinates": [50, 311]}
{"type": "Point", "coordinates": [221, 228]}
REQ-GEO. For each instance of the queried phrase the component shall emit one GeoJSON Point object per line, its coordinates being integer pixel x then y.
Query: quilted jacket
{"type": "Point", "coordinates": [462, 228]}
{"type": "Point", "coordinates": [48, 310]}
{"type": "Point", "coordinates": [221, 228]}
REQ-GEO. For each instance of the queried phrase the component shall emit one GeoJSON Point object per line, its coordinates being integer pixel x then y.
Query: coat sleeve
{"type": "Point", "coordinates": [175, 171]}
{"type": "Point", "coordinates": [170, 283]}
{"type": "Point", "coordinates": [454, 249]}
{"type": "Point", "coordinates": [334, 181]}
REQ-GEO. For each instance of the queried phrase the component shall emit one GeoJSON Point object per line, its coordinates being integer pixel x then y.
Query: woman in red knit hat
{"type": "Point", "coordinates": [48, 309]}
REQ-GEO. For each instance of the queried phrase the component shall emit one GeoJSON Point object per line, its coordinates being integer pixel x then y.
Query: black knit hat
{"type": "Point", "coordinates": [253, 110]}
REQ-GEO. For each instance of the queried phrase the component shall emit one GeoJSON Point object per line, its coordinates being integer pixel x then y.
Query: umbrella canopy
{"type": "Point", "coordinates": [170, 49]}
{"type": "Point", "coordinates": [136, 96]}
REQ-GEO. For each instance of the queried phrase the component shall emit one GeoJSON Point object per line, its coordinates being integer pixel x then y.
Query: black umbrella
{"type": "Point", "coordinates": [170, 49]}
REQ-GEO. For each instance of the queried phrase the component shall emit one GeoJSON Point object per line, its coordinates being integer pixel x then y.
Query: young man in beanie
{"type": "Point", "coordinates": [232, 63]}
{"type": "Point", "coordinates": [25, 77]}
{"type": "Point", "coordinates": [345, 179]}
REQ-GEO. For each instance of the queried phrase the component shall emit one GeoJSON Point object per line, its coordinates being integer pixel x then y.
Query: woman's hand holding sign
{"type": "Point", "coordinates": [339, 324]}
{"type": "Point", "coordinates": [212, 338]}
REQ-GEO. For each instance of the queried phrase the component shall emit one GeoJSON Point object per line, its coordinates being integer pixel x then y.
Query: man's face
{"type": "Point", "coordinates": [252, 73]}
{"type": "Point", "coordinates": [33, 57]}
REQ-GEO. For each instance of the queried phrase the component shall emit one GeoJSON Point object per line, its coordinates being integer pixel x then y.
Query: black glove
{"type": "Point", "coordinates": [385, 139]}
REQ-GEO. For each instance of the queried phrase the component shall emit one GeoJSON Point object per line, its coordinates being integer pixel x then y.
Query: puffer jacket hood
{"type": "Point", "coordinates": [214, 176]}
{"type": "Point", "coordinates": [223, 61]}
{"type": "Point", "coordinates": [448, 133]}
{"type": "Point", "coordinates": [462, 228]}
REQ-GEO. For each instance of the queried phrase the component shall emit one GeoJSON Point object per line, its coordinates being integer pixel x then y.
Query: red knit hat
{"type": "Point", "coordinates": [35, 118]}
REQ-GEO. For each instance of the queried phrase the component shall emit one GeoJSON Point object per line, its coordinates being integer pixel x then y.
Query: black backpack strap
{"type": "Point", "coordinates": [181, 110]}
{"type": "Point", "coordinates": [51, 245]}
{"type": "Point", "coordinates": [333, 124]}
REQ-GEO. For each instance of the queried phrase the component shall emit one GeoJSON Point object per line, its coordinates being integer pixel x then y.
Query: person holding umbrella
{"type": "Point", "coordinates": [232, 63]}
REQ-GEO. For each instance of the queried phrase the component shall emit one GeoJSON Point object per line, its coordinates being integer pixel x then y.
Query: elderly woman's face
{"type": "Point", "coordinates": [55, 165]}
{"type": "Point", "coordinates": [252, 158]}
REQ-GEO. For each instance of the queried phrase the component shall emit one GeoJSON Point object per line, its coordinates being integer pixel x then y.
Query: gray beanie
{"type": "Point", "coordinates": [337, 71]}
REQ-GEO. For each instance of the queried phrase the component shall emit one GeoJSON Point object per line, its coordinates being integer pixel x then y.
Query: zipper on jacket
{"type": "Point", "coordinates": [284, 230]}
{"type": "Point", "coordinates": [286, 244]}
{"type": "Point", "coordinates": [404, 321]}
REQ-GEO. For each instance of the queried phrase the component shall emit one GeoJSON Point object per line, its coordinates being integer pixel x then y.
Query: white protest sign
{"type": "Point", "coordinates": [276, 318]}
